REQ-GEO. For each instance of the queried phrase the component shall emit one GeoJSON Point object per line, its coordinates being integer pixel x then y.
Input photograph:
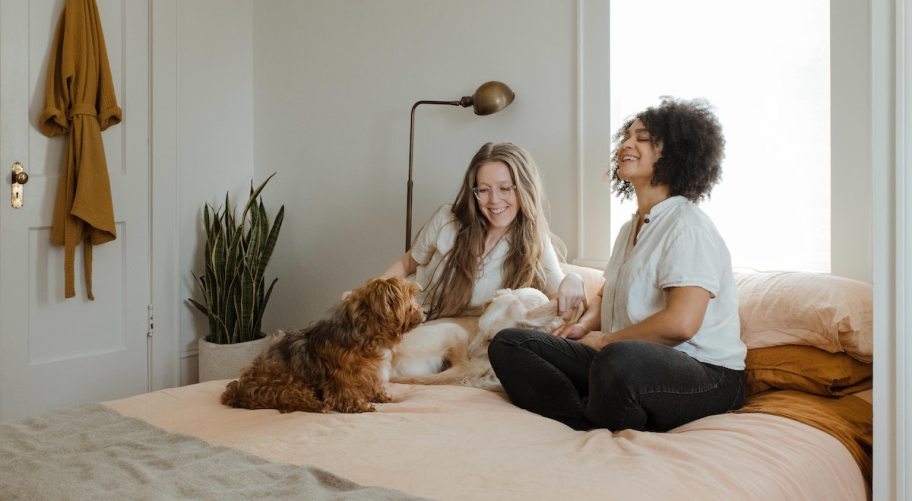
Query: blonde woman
{"type": "Point", "coordinates": [493, 236]}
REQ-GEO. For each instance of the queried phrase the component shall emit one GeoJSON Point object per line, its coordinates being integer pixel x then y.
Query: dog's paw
{"type": "Point", "coordinates": [355, 407]}
{"type": "Point", "coordinates": [363, 407]}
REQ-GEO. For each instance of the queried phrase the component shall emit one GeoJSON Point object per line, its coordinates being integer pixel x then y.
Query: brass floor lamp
{"type": "Point", "coordinates": [490, 97]}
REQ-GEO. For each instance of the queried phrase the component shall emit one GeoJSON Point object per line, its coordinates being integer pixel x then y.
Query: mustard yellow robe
{"type": "Point", "coordinates": [80, 101]}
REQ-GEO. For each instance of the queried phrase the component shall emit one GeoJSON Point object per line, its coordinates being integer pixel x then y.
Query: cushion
{"type": "Point", "coordinates": [828, 312]}
{"type": "Point", "coordinates": [807, 369]}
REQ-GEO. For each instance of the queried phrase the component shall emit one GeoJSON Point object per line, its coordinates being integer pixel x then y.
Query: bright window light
{"type": "Point", "coordinates": [765, 68]}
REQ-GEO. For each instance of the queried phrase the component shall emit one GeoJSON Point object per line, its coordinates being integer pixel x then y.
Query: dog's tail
{"type": "Point", "coordinates": [453, 375]}
{"type": "Point", "coordinates": [475, 373]}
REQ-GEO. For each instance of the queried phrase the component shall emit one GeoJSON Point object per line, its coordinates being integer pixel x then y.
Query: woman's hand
{"type": "Point", "coordinates": [571, 331]}
{"type": "Point", "coordinates": [595, 340]}
{"type": "Point", "coordinates": [402, 267]}
{"type": "Point", "coordinates": [570, 294]}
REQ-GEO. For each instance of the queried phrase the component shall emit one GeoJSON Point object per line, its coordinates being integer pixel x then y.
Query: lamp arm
{"type": "Point", "coordinates": [408, 196]}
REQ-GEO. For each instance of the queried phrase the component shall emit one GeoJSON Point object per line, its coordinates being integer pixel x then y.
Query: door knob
{"type": "Point", "coordinates": [19, 178]}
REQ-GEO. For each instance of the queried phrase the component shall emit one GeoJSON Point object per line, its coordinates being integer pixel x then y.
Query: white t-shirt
{"type": "Point", "coordinates": [677, 246]}
{"type": "Point", "coordinates": [436, 240]}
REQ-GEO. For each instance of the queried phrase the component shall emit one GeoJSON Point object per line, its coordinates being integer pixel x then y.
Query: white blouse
{"type": "Point", "coordinates": [436, 239]}
{"type": "Point", "coordinates": [677, 246]}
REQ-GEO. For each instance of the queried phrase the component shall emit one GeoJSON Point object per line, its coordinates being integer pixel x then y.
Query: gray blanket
{"type": "Point", "coordinates": [92, 452]}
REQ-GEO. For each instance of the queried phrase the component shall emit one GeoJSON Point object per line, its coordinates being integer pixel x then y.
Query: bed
{"type": "Point", "coordinates": [804, 434]}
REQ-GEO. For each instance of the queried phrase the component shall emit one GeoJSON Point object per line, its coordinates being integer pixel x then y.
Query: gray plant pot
{"type": "Point", "coordinates": [225, 361]}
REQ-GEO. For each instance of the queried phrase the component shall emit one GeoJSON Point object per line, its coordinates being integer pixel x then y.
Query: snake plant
{"type": "Point", "coordinates": [236, 254]}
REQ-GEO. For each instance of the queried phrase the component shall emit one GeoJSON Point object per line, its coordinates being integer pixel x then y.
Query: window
{"type": "Point", "coordinates": [765, 67]}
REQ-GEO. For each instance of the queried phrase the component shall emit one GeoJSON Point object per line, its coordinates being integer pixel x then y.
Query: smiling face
{"type": "Point", "coordinates": [636, 156]}
{"type": "Point", "coordinates": [496, 194]}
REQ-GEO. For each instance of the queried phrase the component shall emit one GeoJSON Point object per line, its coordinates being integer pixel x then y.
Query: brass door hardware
{"type": "Point", "coordinates": [19, 178]}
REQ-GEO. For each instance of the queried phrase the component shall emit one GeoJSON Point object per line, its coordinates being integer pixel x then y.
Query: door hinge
{"type": "Point", "coordinates": [151, 331]}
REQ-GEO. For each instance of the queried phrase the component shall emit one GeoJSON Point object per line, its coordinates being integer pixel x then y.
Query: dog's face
{"type": "Point", "coordinates": [385, 308]}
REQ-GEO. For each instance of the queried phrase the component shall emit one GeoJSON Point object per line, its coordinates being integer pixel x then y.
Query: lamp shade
{"type": "Point", "coordinates": [491, 97]}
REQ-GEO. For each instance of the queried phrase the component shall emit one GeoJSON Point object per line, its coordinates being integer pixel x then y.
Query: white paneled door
{"type": "Point", "coordinates": [56, 352]}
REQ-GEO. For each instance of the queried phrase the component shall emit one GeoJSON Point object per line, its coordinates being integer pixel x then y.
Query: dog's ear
{"type": "Point", "coordinates": [543, 317]}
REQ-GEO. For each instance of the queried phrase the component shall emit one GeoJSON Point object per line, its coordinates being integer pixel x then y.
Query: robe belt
{"type": "Point", "coordinates": [81, 109]}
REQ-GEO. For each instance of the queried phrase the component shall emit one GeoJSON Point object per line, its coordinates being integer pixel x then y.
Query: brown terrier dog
{"type": "Point", "coordinates": [340, 363]}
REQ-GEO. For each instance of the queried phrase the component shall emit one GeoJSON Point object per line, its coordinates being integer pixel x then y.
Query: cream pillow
{"type": "Point", "coordinates": [593, 279]}
{"type": "Point", "coordinates": [812, 309]}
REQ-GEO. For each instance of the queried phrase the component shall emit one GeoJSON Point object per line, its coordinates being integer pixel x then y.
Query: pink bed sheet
{"type": "Point", "coordinates": [450, 442]}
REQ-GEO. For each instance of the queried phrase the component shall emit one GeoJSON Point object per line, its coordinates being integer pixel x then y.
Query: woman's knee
{"type": "Point", "coordinates": [622, 357]}
{"type": "Point", "coordinates": [624, 367]}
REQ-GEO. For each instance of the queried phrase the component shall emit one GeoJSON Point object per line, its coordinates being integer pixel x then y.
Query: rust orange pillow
{"type": "Point", "coordinates": [805, 368]}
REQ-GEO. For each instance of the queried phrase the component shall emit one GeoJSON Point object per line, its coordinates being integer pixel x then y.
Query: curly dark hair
{"type": "Point", "coordinates": [692, 148]}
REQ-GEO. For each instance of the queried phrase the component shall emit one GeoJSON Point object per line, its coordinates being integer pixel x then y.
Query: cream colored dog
{"type": "Point", "coordinates": [463, 342]}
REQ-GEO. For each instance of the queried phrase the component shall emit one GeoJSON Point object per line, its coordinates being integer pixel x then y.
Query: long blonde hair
{"type": "Point", "coordinates": [523, 266]}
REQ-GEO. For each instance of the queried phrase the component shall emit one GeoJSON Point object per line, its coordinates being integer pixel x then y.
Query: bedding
{"type": "Point", "coordinates": [434, 442]}
{"type": "Point", "coordinates": [847, 418]}
{"type": "Point", "coordinates": [452, 442]}
{"type": "Point", "coordinates": [93, 452]}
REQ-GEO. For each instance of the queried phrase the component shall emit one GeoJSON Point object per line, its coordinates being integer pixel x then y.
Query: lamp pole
{"type": "Point", "coordinates": [408, 203]}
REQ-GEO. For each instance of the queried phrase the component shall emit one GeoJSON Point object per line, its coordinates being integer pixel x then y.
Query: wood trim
{"type": "Point", "coordinates": [165, 235]}
{"type": "Point", "coordinates": [903, 251]}
{"type": "Point", "coordinates": [593, 132]}
{"type": "Point", "coordinates": [891, 200]}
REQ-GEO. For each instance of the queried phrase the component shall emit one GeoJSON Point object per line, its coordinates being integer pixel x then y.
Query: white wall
{"type": "Point", "coordinates": [851, 234]}
{"type": "Point", "coordinates": [215, 135]}
{"type": "Point", "coordinates": [334, 83]}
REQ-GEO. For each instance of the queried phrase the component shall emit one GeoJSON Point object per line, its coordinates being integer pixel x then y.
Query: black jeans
{"type": "Point", "coordinates": [629, 384]}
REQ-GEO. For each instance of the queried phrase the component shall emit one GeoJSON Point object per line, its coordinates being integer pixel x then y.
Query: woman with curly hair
{"type": "Point", "coordinates": [662, 346]}
{"type": "Point", "coordinates": [494, 235]}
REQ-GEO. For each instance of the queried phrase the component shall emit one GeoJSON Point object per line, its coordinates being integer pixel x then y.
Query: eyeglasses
{"type": "Point", "coordinates": [484, 193]}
